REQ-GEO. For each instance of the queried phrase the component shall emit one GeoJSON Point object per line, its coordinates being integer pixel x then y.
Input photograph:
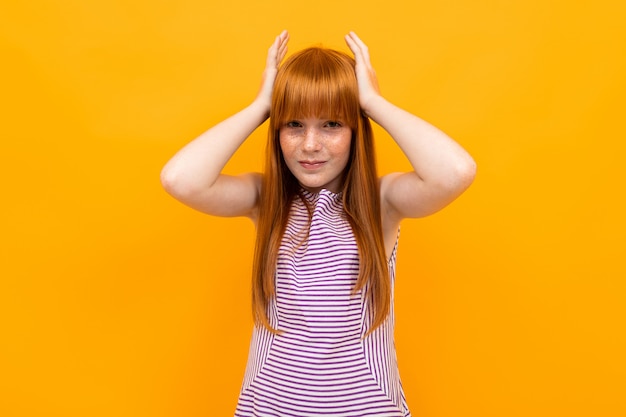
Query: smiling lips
{"type": "Point", "coordinates": [311, 164]}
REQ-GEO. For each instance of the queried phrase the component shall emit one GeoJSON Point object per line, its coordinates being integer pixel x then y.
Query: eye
{"type": "Point", "coordinates": [293, 124]}
{"type": "Point", "coordinates": [333, 124]}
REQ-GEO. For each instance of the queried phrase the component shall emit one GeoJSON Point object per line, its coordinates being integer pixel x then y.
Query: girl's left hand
{"type": "Point", "coordinates": [365, 74]}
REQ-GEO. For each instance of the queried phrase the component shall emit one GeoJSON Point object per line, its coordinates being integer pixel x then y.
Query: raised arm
{"type": "Point", "coordinates": [193, 176]}
{"type": "Point", "coordinates": [442, 168]}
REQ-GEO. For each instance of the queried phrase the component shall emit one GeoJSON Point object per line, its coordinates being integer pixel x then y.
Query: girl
{"type": "Point", "coordinates": [327, 228]}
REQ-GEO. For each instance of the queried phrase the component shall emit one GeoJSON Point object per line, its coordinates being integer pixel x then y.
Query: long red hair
{"type": "Point", "coordinates": [315, 82]}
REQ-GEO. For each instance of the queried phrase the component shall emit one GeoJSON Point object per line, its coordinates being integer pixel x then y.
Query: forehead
{"type": "Point", "coordinates": [315, 104]}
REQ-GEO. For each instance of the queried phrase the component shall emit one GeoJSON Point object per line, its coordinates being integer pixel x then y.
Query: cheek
{"type": "Point", "coordinates": [343, 146]}
{"type": "Point", "coordinates": [283, 145]}
{"type": "Point", "coordinates": [288, 151]}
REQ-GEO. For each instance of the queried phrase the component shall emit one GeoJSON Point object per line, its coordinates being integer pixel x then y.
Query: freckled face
{"type": "Point", "coordinates": [316, 151]}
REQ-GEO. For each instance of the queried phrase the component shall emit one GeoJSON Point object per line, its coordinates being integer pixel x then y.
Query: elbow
{"type": "Point", "coordinates": [167, 179]}
{"type": "Point", "coordinates": [467, 172]}
{"type": "Point", "coordinates": [182, 184]}
{"type": "Point", "coordinates": [463, 175]}
{"type": "Point", "coordinates": [173, 183]}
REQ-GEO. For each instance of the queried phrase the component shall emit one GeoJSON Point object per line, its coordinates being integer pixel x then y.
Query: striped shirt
{"type": "Point", "coordinates": [320, 364]}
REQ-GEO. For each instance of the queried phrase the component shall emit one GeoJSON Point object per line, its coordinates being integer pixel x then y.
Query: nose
{"type": "Point", "coordinates": [311, 141]}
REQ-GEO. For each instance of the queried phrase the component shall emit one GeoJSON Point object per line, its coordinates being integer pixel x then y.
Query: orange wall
{"type": "Point", "coordinates": [116, 300]}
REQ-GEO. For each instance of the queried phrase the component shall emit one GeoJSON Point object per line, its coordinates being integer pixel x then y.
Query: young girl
{"type": "Point", "coordinates": [327, 228]}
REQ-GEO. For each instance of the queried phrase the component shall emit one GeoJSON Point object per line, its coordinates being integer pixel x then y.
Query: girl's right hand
{"type": "Point", "coordinates": [275, 55]}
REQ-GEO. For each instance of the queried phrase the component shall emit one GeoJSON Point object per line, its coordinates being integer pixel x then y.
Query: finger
{"type": "Point", "coordinates": [278, 49]}
{"type": "Point", "coordinates": [282, 49]}
{"type": "Point", "coordinates": [271, 53]}
{"type": "Point", "coordinates": [359, 49]}
{"type": "Point", "coordinates": [282, 38]}
{"type": "Point", "coordinates": [356, 51]}
{"type": "Point", "coordinates": [351, 44]}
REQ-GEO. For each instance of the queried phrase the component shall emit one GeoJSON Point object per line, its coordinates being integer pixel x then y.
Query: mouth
{"type": "Point", "coordinates": [311, 164]}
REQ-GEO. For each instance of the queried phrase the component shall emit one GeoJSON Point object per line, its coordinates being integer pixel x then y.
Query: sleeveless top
{"type": "Point", "coordinates": [320, 364]}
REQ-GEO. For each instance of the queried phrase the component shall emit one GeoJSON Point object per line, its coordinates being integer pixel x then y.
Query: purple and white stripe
{"type": "Point", "coordinates": [320, 364]}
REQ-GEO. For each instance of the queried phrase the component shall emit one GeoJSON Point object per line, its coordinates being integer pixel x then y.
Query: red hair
{"type": "Point", "coordinates": [312, 83]}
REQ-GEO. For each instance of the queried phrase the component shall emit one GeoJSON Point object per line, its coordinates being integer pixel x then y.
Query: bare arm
{"type": "Point", "coordinates": [193, 176]}
{"type": "Point", "coordinates": [442, 168]}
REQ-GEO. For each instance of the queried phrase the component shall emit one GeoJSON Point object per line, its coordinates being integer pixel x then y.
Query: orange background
{"type": "Point", "coordinates": [116, 300]}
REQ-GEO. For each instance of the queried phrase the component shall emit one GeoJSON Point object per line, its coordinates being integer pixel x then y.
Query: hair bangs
{"type": "Point", "coordinates": [317, 82]}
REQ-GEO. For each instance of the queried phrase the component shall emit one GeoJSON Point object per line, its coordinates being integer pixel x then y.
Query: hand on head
{"type": "Point", "coordinates": [365, 74]}
{"type": "Point", "coordinates": [275, 55]}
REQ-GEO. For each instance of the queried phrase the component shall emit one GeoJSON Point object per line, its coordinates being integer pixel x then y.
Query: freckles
{"type": "Point", "coordinates": [287, 144]}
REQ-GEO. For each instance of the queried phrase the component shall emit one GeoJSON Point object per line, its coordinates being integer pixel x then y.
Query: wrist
{"type": "Point", "coordinates": [373, 105]}
{"type": "Point", "coordinates": [261, 106]}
